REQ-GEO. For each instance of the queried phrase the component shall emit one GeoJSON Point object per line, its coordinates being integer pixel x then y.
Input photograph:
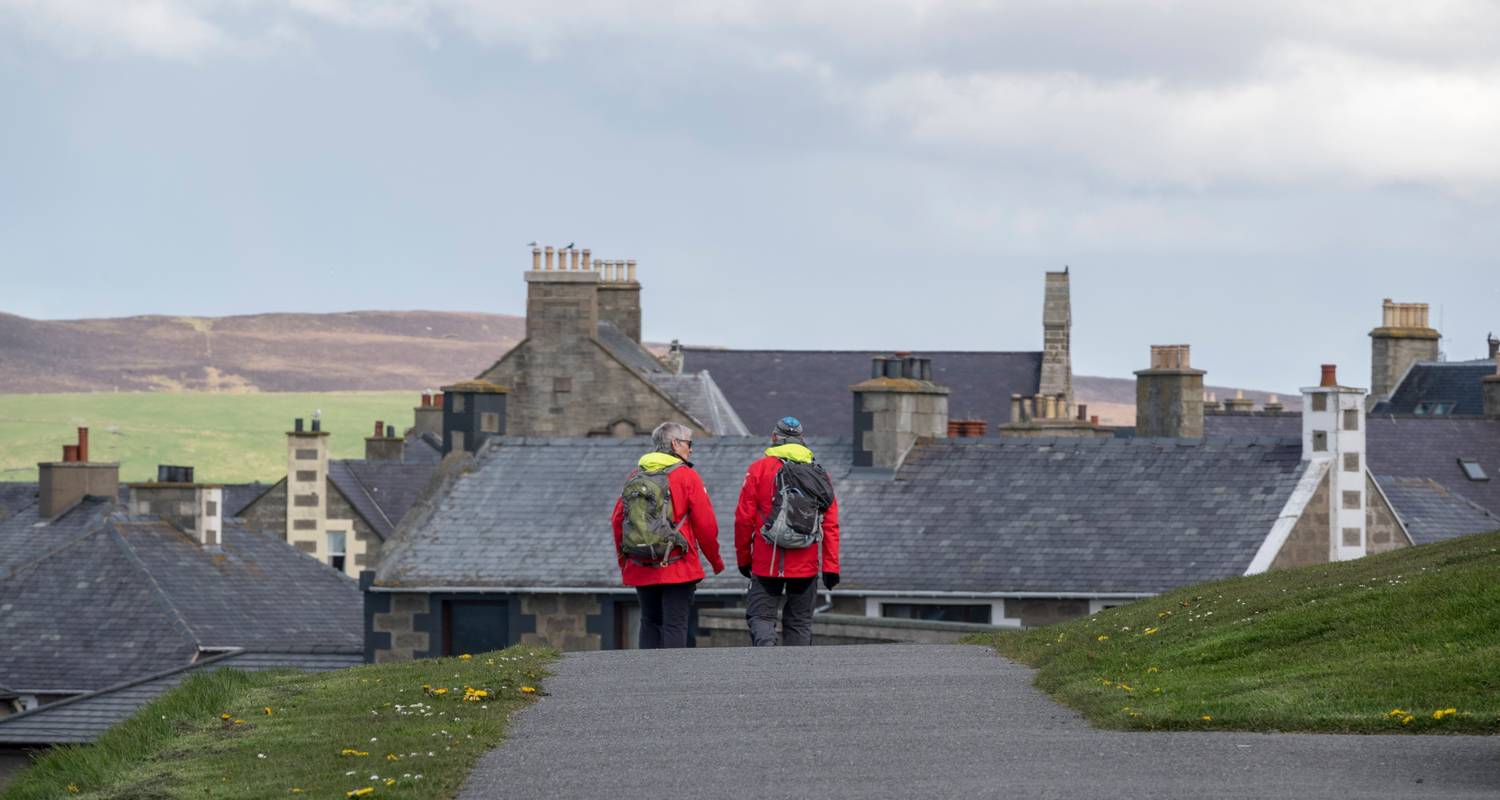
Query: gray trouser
{"type": "Point", "coordinates": [796, 615]}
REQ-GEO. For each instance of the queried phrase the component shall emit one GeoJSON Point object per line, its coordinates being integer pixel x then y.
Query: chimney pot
{"type": "Point", "coordinates": [70, 453]}
{"type": "Point", "coordinates": [630, 265]}
{"type": "Point", "coordinates": [1494, 347]}
{"type": "Point", "coordinates": [437, 401]}
{"type": "Point", "coordinates": [379, 427]}
{"type": "Point", "coordinates": [390, 431]}
{"type": "Point", "coordinates": [1015, 409]}
{"type": "Point", "coordinates": [83, 444]}
{"type": "Point", "coordinates": [587, 261]}
{"type": "Point", "coordinates": [573, 260]}
{"type": "Point", "coordinates": [317, 425]}
{"type": "Point", "coordinates": [1330, 375]}
{"type": "Point", "coordinates": [426, 401]}
{"type": "Point", "coordinates": [893, 367]}
{"type": "Point", "coordinates": [1083, 412]}
{"type": "Point", "coordinates": [548, 262]}
{"type": "Point", "coordinates": [1093, 420]}
{"type": "Point", "coordinates": [536, 258]}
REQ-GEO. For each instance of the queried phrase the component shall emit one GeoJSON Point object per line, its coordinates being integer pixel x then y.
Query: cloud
{"type": "Point", "coordinates": [158, 28]}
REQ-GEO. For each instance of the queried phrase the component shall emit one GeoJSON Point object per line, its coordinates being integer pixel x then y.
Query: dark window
{"type": "Point", "coordinates": [1351, 419]}
{"type": "Point", "coordinates": [304, 524]}
{"type": "Point", "coordinates": [307, 474]}
{"type": "Point", "coordinates": [305, 500]}
{"type": "Point", "coordinates": [1320, 440]}
{"type": "Point", "coordinates": [212, 508]}
{"type": "Point", "coordinates": [1472, 470]}
{"type": "Point", "coordinates": [475, 626]}
{"type": "Point", "coordinates": [307, 455]}
{"type": "Point", "coordinates": [1320, 402]}
{"type": "Point", "coordinates": [337, 562]}
{"type": "Point", "coordinates": [937, 613]}
{"type": "Point", "coordinates": [489, 422]}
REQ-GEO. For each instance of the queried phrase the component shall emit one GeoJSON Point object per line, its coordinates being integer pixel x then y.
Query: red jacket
{"type": "Point", "coordinates": [750, 515]}
{"type": "Point", "coordinates": [694, 517]}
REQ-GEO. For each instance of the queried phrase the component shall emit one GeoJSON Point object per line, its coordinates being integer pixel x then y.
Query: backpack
{"type": "Point", "coordinates": [803, 494]}
{"type": "Point", "coordinates": [648, 536]}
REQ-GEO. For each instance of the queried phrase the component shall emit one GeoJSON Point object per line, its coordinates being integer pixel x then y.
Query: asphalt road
{"type": "Point", "coordinates": [910, 721]}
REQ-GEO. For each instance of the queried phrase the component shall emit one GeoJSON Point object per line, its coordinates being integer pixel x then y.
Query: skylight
{"type": "Point", "coordinates": [1472, 470]}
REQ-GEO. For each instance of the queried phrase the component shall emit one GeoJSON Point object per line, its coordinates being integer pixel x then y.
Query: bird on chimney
{"type": "Point", "coordinates": [531, 244]}
{"type": "Point", "coordinates": [569, 247]}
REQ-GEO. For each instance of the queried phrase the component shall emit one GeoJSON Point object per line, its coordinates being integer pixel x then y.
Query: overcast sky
{"type": "Point", "coordinates": [1250, 177]}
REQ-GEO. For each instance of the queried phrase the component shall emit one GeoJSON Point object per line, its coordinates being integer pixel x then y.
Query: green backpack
{"type": "Point", "coordinates": [648, 536]}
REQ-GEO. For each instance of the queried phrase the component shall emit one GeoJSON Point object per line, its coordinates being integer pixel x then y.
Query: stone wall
{"type": "Point", "coordinates": [1382, 531]}
{"type": "Point", "coordinates": [620, 304]}
{"type": "Point", "coordinates": [561, 621]}
{"type": "Point", "coordinates": [1308, 541]}
{"type": "Point", "coordinates": [727, 628]}
{"type": "Point", "coordinates": [1057, 324]}
{"type": "Point", "coordinates": [399, 627]}
{"type": "Point", "coordinates": [362, 550]}
{"type": "Point", "coordinates": [1392, 351]}
{"type": "Point", "coordinates": [268, 512]}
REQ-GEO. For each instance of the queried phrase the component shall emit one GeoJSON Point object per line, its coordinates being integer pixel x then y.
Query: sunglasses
{"type": "Point", "coordinates": [688, 442]}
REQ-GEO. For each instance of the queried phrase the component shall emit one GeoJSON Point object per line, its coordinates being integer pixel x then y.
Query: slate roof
{"type": "Point", "coordinates": [381, 491]}
{"type": "Point", "coordinates": [991, 516]}
{"type": "Point", "coordinates": [1431, 513]}
{"type": "Point", "coordinates": [813, 385]}
{"type": "Point", "coordinates": [1430, 447]}
{"type": "Point", "coordinates": [83, 719]}
{"type": "Point", "coordinates": [694, 391]}
{"type": "Point", "coordinates": [239, 495]}
{"type": "Point", "coordinates": [1456, 382]}
{"type": "Point", "coordinates": [15, 497]}
{"type": "Point", "coordinates": [1253, 423]}
{"type": "Point", "coordinates": [22, 539]}
{"type": "Point", "coordinates": [423, 448]}
{"type": "Point", "coordinates": [127, 596]}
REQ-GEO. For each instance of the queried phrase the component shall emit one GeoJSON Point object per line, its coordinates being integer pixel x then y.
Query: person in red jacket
{"type": "Point", "coordinates": [776, 570]}
{"type": "Point", "coordinates": [666, 591]}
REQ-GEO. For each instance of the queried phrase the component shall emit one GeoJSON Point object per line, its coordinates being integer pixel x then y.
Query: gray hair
{"type": "Point", "coordinates": [667, 433]}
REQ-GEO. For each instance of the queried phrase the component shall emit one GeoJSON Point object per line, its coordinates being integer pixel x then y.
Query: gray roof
{"type": "Point", "coordinates": [813, 385]}
{"type": "Point", "coordinates": [1431, 513]}
{"type": "Point", "coordinates": [16, 496]}
{"type": "Point", "coordinates": [128, 596]}
{"type": "Point", "coordinates": [24, 539]}
{"type": "Point", "coordinates": [239, 495]}
{"type": "Point", "coordinates": [626, 349]}
{"type": "Point", "coordinates": [1431, 447]}
{"type": "Point", "coordinates": [993, 515]}
{"type": "Point", "coordinates": [1223, 424]}
{"type": "Point", "coordinates": [425, 448]}
{"type": "Point", "coordinates": [83, 719]}
{"type": "Point", "coordinates": [1450, 382]}
{"type": "Point", "coordinates": [381, 491]}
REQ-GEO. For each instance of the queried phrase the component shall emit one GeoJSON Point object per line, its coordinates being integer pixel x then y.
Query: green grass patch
{"type": "Point", "coordinates": [399, 730]}
{"type": "Point", "coordinates": [1387, 643]}
{"type": "Point", "coordinates": [228, 438]}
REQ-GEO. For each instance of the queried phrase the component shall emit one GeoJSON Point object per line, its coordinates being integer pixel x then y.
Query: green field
{"type": "Point", "coordinates": [228, 438]}
{"type": "Point", "coordinates": [1404, 642]}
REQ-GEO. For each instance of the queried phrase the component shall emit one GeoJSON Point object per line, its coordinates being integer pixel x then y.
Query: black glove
{"type": "Point", "coordinates": [830, 579]}
{"type": "Point", "coordinates": [745, 570]}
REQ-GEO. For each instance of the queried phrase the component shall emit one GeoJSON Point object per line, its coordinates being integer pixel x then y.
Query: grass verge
{"type": "Point", "coordinates": [407, 730]}
{"type": "Point", "coordinates": [1408, 641]}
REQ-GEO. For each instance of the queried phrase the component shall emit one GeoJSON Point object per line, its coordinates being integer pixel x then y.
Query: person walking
{"type": "Point", "coordinates": [662, 521]}
{"type": "Point", "coordinates": [786, 529]}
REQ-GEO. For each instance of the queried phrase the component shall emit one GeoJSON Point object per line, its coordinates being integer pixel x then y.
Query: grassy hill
{"type": "Point", "coordinates": [228, 438]}
{"type": "Point", "coordinates": [1408, 641]}
{"type": "Point", "coordinates": [410, 730]}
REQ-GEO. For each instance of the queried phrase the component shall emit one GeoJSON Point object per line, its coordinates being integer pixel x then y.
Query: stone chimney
{"type": "Point", "coordinates": [1403, 338]}
{"type": "Point", "coordinates": [428, 416]}
{"type": "Point", "coordinates": [1046, 415]}
{"type": "Point", "coordinates": [1169, 395]}
{"type": "Point", "coordinates": [306, 485]}
{"type": "Point", "coordinates": [1239, 404]}
{"type": "Point", "coordinates": [562, 304]}
{"type": "Point", "coordinates": [620, 297]}
{"type": "Point", "coordinates": [674, 360]}
{"type": "Point", "coordinates": [473, 411]}
{"type": "Point", "coordinates": [62, 484]}
{"type": "Point", "coordinates": [196, 509]}
{"type": "Point", "coordinates": [1057, 334]}
{"type": "Point", "coordinates": [1491, 386]}
{"type": "Point", "coordinates": [898, 405]}
{"type": "Point", "coordinates": [385, 445]}
{"type": "Point", "coordinates": [1333, 429]}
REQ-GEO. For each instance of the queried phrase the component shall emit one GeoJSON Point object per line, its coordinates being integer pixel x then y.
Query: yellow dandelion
{"type": "Point", "coordinates": [465, 657]}
{"type": "Point", "coordinates": [1444, 712]}
{"type": "Point", "coordinates": [439, 691]}
{"type": "Point", "coordinates": [360, 792]}
{"type": "Point", "coordinates": [239, 722]}
{"type": "Point", "coordinates": [73, 788]}
{"type": "Point", "coordinates": [226, 716]}
{"type": "Point", "coordinates": [349, 751]}
{"type": "Point", "coordinates": [1396, 713]}
{"type": "Point", "coordinates": [1207, 718]}
{"type": "Point", "coordinates": [1153, 669]}
{"type": "Point", "coordinates": [392, 757]}
{"type": "Point", "coordinates": [1102, 637]}
{"type": "Point", "coordinates": [1149, 631]}
{"type": "Point", "coordinates": [528, 690]}
{"type": "Point", "coordinates": [390, 781]}
{"type": "Point", "coordinates": [296, 790]}
{"type": "Point", "coordinates": [267, 711]}
{"type": "Point", "coordinates": [1407, 720]}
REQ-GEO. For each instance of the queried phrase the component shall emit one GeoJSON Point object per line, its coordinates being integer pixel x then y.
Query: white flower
{"type": "Point", "coordinates": [260, 755]}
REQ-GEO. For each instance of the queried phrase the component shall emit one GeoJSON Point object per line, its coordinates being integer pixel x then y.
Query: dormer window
{"type": "Point", "coordinates": [1472, 470]}
{"type": "Point", "coordinates": [1433, 409]}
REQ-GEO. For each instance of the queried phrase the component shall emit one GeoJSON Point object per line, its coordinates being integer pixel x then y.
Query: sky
{"type": "Point", "coordinates": [1248, 178]}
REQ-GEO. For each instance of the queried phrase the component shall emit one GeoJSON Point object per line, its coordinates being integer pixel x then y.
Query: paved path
{"type": "Point", "coordinates": [909, 721]}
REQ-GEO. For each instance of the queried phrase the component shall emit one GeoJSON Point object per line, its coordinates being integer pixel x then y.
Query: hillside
{"type": "Point", "coordinates": [1403, 642]}
{"type": "Point", "coordinates": [353, 351]}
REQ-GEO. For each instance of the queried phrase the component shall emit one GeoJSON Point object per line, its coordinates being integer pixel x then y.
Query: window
{"type": "Point", "coordinates": [304, 524]}
{"type": "Point", "coordinates": [212, 509]}
{"type": "Point", "coordinates": [458, 404]}
{"type": "Point", "coordinates": [1352, 500]}
{"type": "Point", "coordinates": [489, 422]}
{"type": "Point", "coordinates": [1351, 419]}
{"type": "Point", "coordinates": [1351, 462]}
{"type": "Point", "coordinates": [1320, 402]}
{"type": "Point", "coordinates": [307, 455]}
{"type": "Point", "coordinates": [305, 475]}
{"type": "Point", "coordinates": [1320, 440]}
{"type": "Point", "coordinates": [305, 500]}
{"type": "Point", "coordinates": [937, 613]}
{"type": "Point", "coordinates": [1472, 470]}
{"type": "Point", "coordinates": [336, 550]}
{"type": "Point", "coordinates": [1433, 409]}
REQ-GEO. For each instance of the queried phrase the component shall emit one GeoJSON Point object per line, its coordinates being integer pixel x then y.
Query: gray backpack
{"type": "Point", "coordinates": [648, 536]}
{"type": "Point", "coordinates": [803, 494]}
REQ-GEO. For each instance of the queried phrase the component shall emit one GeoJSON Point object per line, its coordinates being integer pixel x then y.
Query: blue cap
{"type": "Point", "coordinates": [788, 427]}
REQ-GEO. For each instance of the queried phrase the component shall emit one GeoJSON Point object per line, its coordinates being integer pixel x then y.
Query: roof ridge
{"type": "Point", "coordinates": [155, 585]}
{"type": "Point", "coordinates": [864, 351]}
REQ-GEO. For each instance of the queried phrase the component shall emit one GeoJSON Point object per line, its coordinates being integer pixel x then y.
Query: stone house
{"type": "Point", "coordinates": [341, 511]}
{"type": "Point", "coordinates": [581, 369]}
{"type": "Point", "coordinates": [1016, 530]}
{"type": "Point", "coordinates": [98, 595]}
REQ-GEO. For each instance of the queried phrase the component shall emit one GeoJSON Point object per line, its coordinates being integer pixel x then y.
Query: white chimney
{"type": "Point", "coordinates": [1333, 429]}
